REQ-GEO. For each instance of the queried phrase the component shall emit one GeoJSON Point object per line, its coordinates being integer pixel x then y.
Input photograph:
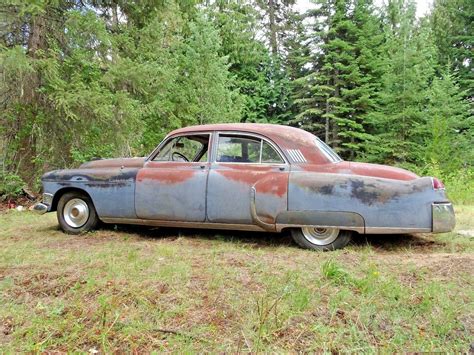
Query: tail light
{"type": "Point", "coordinates": [437, 184]}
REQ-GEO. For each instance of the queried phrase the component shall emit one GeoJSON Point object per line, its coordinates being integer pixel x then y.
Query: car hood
{"type": "Point", "coordinates": [365, 169]}
{"type": "Point", "coordinates": [113, 163]}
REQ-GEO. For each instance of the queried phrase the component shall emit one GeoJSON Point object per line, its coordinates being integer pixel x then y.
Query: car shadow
{"type": "Point", "coordinates": [382, 242]}
{"type": "Point", "coordinates": [397, 242]}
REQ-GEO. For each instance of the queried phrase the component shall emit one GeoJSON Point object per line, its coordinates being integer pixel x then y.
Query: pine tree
{"type": "Point", "coordinates": [448, 142]}
{"type": "Point", "coordinates": [409, 67]}
{"type": "Point", "coordinates": [453, 26]}
{"type": "Point", "coordinates": [338, 93]}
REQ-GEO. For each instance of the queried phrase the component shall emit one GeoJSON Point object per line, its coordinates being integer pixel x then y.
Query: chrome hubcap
{"type": "Point", "coordinates": [76, 213]}
{"type": "Point", "coordinates": [320, 236]}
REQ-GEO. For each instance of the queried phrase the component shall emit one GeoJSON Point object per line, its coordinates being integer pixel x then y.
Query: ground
{"type": "Point", "coordinates": [139, 289]}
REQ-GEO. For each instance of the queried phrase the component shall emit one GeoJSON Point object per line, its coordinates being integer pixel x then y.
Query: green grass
{"type": "Point", "coordinates": [141, 289]}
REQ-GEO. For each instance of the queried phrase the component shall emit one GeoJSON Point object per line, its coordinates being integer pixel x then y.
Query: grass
{"type": "Point", "coordinates": [141, 289]}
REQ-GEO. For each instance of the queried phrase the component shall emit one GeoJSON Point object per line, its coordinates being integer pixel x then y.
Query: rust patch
{"type": "Point", "coordinates": [248, 177]}
{"type": "Point", "coordinates": [362, 169]}
{"type": "Point", "coordinates": [172, 164]}
{"type": "Point", "coordinates": [114, 163]}
{"type": "Point", "coordinates": [246, 167]}
{"type": "Point", "coordinates": [165, 176]}
{"type": "Point", "coordinates": [266, 182]}
{"type": "Point", "coordinates": [275, 185]}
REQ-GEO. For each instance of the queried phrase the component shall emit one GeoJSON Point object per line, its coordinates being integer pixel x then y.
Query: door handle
{"type": "Point", "coordinates": [203, 166]}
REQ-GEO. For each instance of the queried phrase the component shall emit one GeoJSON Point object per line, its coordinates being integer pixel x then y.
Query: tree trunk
{"type": "Point", "coordinates": [25, 159]}
{"type": "Point", "coordinates": [273, 29]}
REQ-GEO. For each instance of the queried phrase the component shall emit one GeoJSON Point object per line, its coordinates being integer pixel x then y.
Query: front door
{"type": "Point", "coordinates": [172, 185]}
{"type": "Point", "coordinates": [246, 170]}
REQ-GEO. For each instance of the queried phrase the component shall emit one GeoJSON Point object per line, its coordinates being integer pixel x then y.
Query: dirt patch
{"type": "Point", "coordinates": [397, 242]}
{"type": "Point", "coordinates": [437, 266]}
{"type": "Point", "coordinates": [43, 284]}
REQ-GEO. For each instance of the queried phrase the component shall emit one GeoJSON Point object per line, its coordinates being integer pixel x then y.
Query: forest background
{"type": "Point", "coordinates": [83, 79]}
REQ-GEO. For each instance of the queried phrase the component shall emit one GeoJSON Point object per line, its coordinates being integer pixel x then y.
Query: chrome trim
{"type": "Point", "coordinates": [47, 199]}
{"type": "Point", "coordinates": [395, 230]}
{"type": "Point", "coordinates": [320, 236]}
{"type": "Point", "coordinates": [281, 226]}
{"type": "Point", "coordinates": [40, 208]}
{"type": "Point", "coordinates": [296, 155]}
{"type": "Point", "coordinates": [165, 140]}
{"type": "Point", "coordinates": [253, 135]}
{"type": "Point", "coordinates": [76, 213]}
{"type": "Point", "coordinates": [444, 219]}
{"type": "Point", "coordinates": [178, 224]}
{"type": "Point", "coordinates": [253, 212]}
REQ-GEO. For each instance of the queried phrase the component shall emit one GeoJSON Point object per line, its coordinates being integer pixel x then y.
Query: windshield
{"type": "Point", "coordinates": [327, 151]}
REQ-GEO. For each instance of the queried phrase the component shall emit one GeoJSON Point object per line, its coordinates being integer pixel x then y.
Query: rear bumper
{"type": "Point", "coordinates": [443, 217]}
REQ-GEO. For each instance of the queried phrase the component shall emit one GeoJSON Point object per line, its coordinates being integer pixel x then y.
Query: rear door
{"type": "Point", "coordinates": [172, 185]}
{"type": "Point", "coordinates": [241, 163]}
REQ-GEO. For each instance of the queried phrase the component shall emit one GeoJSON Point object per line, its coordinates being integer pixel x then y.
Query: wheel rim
{"type": "Point", "coordinates": [320, 236]}
{"type": "Point", "coordinates": [76, 213]}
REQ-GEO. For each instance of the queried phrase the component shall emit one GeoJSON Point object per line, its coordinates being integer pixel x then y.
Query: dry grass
{"type": "Point", "coordinates": [141, 289]}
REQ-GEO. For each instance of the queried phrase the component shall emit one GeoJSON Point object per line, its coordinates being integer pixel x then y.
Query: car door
{"type": "Point", "coordinates": [247, 173]}
{"type": "Point", "coordinates": [172, 184]}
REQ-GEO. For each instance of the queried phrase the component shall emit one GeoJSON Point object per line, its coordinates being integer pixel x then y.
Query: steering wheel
{"type": "Point", "coordinates": [179, 155]}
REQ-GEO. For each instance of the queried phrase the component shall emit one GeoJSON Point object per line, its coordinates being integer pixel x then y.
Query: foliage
{"type": "Point", "coordinates": [99, 79]}
{"type": "Point", "coordinates": [11, 185]}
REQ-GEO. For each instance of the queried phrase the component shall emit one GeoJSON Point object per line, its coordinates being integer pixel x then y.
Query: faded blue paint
{"type": "Point", "coordinates": [381, 202]}
{"type": "Point", "coordinates": [162, 195]}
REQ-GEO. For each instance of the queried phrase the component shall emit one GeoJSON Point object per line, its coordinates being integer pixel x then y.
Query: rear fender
{"type": "Point", "coordinates": [382, 203]}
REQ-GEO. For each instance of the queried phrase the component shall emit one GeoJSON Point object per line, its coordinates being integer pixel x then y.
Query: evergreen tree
{"type": "Point", "coordinates": [258, 75]}
{"type": "Point", "coordinates": [448, 141]}
{"type": "Point", "coordinates": [409, 67]}
{"type": "Point", "coordinates": [453, 27]}
{"type": "Point", "coordinates": [339, 91]}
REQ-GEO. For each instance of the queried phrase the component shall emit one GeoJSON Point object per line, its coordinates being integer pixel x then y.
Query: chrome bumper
{"type": "Point", "coordinates": [443, 217]}
{"type": "Point", "coordinates": [43, 207]}
{"type": "Point", "coordinates": [40, 208]}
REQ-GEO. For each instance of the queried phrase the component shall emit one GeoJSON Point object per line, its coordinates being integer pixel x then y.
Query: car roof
{"type": "Point", "coordinates": [287, 138]}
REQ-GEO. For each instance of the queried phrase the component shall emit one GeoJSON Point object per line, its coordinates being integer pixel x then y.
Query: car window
{"type": "Point", "coordinates": [270, 155]}
{"type": "Point", "coordinates": [243, 149]}
{"type": "Point", "coordinates": [184, 148]}
{"type": "Point", "coordinates": [238, 149]}
{"type": "Point", "coordinates": [327, 151]}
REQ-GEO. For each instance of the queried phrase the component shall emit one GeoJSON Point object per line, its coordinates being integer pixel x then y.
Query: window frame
{"type": "Point", "coordinates": [215, 147]}
{"type": "Point", "coordinates": [167, 139]}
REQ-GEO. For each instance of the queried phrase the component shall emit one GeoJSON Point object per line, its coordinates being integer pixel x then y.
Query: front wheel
{"type": "Point", "coordinates": [322, 239]}
{"type": "Point", "coordinates": [76, 213]}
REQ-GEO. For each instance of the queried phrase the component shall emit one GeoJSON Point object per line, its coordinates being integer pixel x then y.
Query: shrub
{"type": "Point", "coordinates": [11, 185]}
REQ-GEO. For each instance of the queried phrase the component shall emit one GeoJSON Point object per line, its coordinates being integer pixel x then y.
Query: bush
{"type": "Point", "coordinates": [11, 185]}
{"type": "Point", "coordinates": [459, 183]}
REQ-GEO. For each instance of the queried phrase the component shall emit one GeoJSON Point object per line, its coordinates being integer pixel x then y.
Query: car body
{"type": "Point", "coordinates": [259, 177]}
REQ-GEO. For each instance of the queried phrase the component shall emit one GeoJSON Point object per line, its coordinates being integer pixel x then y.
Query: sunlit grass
{"type": "Point", "coordinates": [139, 289]}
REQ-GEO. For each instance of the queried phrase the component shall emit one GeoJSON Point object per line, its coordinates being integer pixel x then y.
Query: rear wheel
{"type": "Point", "coordinates": [321, 239]}
{"type": "Point", "coordinates": [76, 213]}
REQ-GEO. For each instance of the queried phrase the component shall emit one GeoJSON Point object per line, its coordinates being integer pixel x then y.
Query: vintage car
{"type": "Point", "coordinates": [257, 177]}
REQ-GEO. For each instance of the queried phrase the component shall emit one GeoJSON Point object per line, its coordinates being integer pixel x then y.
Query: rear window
{"type": "Point", "coordinates": [327, 151]}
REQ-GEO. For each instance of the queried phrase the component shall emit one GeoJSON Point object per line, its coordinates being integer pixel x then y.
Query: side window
{"type": "Point", "coordinates": [243, 149]}
{"type": "Point", "coordinates": [237, 149]}
{"type": "Point", "coordinates": [184, 148]}
{"type": "Point", "coordinates": [270, 155]}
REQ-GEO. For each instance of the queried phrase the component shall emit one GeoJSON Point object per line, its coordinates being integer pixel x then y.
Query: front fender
{"type": "Point", "coordinates": [112, 190]}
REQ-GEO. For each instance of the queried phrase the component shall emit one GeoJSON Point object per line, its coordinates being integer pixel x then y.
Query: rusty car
{"type": "Point", "coordinates": [255, 177]}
